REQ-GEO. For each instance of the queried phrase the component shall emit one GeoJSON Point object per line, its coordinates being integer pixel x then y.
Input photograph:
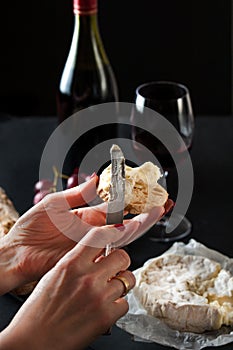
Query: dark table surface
{"type": "Point", "coordinates": [21, 143]}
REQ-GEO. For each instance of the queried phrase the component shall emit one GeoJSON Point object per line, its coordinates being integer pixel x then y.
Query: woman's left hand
{"type": "Point", "coordinates": [48, 230]}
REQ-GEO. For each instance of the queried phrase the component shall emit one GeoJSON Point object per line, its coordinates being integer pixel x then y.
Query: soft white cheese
{"type": "Point", "coordinates": [189, 293]}
{"type": "Point", "coordinates": [142, 191]}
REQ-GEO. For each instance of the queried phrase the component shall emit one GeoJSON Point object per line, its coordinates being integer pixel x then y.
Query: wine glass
{"type": "Point", "coordinates": [172, 101]}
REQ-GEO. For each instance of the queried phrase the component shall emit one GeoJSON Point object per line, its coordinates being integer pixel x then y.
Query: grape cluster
{"type": "Point", "coordinates": [45, 186]}
{"type": "Point", "coordinates": [41, 189]}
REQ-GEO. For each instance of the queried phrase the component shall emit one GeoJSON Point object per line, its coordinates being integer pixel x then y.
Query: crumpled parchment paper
{"type": "Point", "coordinates": [146, 328]}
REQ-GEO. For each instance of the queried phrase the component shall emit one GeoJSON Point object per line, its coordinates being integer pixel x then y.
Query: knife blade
{"type": "Point", "coordinates": [116, 203]}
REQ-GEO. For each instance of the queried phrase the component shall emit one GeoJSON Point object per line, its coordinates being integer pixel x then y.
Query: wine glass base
{"type": "Point", "coordinates": [158, 232]}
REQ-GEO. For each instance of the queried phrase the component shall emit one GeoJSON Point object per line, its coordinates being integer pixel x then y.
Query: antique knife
{"type": "Point", "coordinates": [116, 203]}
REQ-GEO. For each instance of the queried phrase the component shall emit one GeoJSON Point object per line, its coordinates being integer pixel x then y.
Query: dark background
{"type": "Point", "coordinates": [180, 40]}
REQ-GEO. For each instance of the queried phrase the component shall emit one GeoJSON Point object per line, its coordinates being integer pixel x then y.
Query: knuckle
{"type": "Point", "coordinates": [65, 267]}
{"type": "Point", "coordinates": [89, 284]}
{"type": "Point", "coordinates": [49, 199]}
{"type": "Point", "coordinates": [123, 257]}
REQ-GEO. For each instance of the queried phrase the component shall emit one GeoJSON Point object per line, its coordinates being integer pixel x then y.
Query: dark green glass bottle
{"type": "Point", "coordinates": [87, 78]}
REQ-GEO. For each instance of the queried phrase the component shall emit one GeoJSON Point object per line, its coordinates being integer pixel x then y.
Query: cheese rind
{"type": "Point", "coordinates": [8, 217]}
{"type": "Point", "coordinates": [189, 293]}
{"type": "Point", "coordinates": [8, 213]}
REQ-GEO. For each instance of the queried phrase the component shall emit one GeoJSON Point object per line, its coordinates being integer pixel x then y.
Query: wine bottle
{"type": "Point", "coordinates": [87, 78]}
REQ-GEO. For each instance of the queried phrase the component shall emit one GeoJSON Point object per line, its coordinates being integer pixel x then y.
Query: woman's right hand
{"type": "Point", "coordinates": [75, 302]}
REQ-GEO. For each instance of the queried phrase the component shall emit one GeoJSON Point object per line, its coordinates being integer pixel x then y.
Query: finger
{"type": "Point", "coordinates": [146, 221]}
{"type": "Point", "coordinates": [119, 288]}
{"type": "Point", "coordinates": [168, 205]}
{"type": "Point", "coordinates": [86, 256]}
{"type": "Point", "coordinates": [150, 218]}
{"type": "Point", "coordinates": [99, 237]}
{"type": "Point", "coordinates": [95, 216]}
{"type": "Point", "coordinates": [80, 221]}
{"type": "Point", "coordinates": [118, 260]}
{"type": "Point", "coordinates": [118, 308]}
{"type": "Point", "coordinates": [92, 245]}
{"type": "Point", "coordinates": [81, 194]}
{"type": "Point", "coordinates": [85, 233]}
{"type": "Point", "coordinates": [121, 308]}
{"type": "Point", "coordinates": [123, 235]}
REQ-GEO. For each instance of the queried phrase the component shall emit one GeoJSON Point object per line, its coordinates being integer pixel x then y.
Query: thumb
{"type": "Point", "coordinates": [76, 196]}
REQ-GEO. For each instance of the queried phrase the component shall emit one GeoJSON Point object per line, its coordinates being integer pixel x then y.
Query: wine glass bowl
{"type": "Point", "coordinates": [172, 101]}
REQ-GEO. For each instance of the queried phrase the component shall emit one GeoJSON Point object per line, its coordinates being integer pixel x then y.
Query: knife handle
{"type": "Point", "coordinates": [108, 249]}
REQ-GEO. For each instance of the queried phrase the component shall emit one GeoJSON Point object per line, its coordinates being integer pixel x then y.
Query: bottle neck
{"type": "Point", "coordinates": [85, 7]}
{"type": "Point", "coordinates": [88, 25]}
{"type": "Point", "coordinates": [86, 33]}
{"type": "Point", "coordinates": [85, 12]}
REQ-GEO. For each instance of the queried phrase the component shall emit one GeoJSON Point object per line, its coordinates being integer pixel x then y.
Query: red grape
{"type": "Point", "coordinates": [83, 177]}
{"type": "Point", "coordinates": [40, 195]}
{"type": "Point", "coordinates": [75, 171]}
{"type": "Point", "coordinates": [72, 181]}
{"type": "Point", "coordinates": [75, 179]}
{"type": "Point", "coordinates": [43, 185]}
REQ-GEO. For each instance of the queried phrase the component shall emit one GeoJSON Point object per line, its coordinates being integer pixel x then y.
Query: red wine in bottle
{"type": "Point", "coordinates": [87, 78]}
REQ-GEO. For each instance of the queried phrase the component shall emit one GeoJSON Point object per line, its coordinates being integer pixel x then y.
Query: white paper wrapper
{"type": "Point", "coordinates": [150, 329]}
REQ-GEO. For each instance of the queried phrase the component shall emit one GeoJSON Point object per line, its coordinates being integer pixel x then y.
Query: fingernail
{"type": "Point", "coordinates": [119, 227]}
{"type": "Point", "coordinates": [93, 175]}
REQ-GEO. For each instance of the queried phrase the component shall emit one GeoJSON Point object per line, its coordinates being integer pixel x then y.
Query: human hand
{"type": "Point", "coordinates": [76, 301]}
{"type": "Point", "coordinates": [42, 235]}
{"type": "Point", "coordinates": [79, 298]}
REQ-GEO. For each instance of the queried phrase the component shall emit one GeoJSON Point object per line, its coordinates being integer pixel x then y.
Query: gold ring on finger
{"type": "Point", "coordinates": [125, 284]}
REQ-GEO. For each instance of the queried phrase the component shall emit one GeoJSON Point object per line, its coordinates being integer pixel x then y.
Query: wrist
{"type": "Point", "coordinates": [12, 338]}
{"type": "Point", "coordinates": [6, 340]}
{"type": "Point", "coordinates": [10, 276]}
{"type": "Point", "coordinates": [26, 331]}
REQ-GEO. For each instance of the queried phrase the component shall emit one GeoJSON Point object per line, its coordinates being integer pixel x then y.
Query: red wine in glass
{"type": "Point", "coordinates": [172, 101]}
